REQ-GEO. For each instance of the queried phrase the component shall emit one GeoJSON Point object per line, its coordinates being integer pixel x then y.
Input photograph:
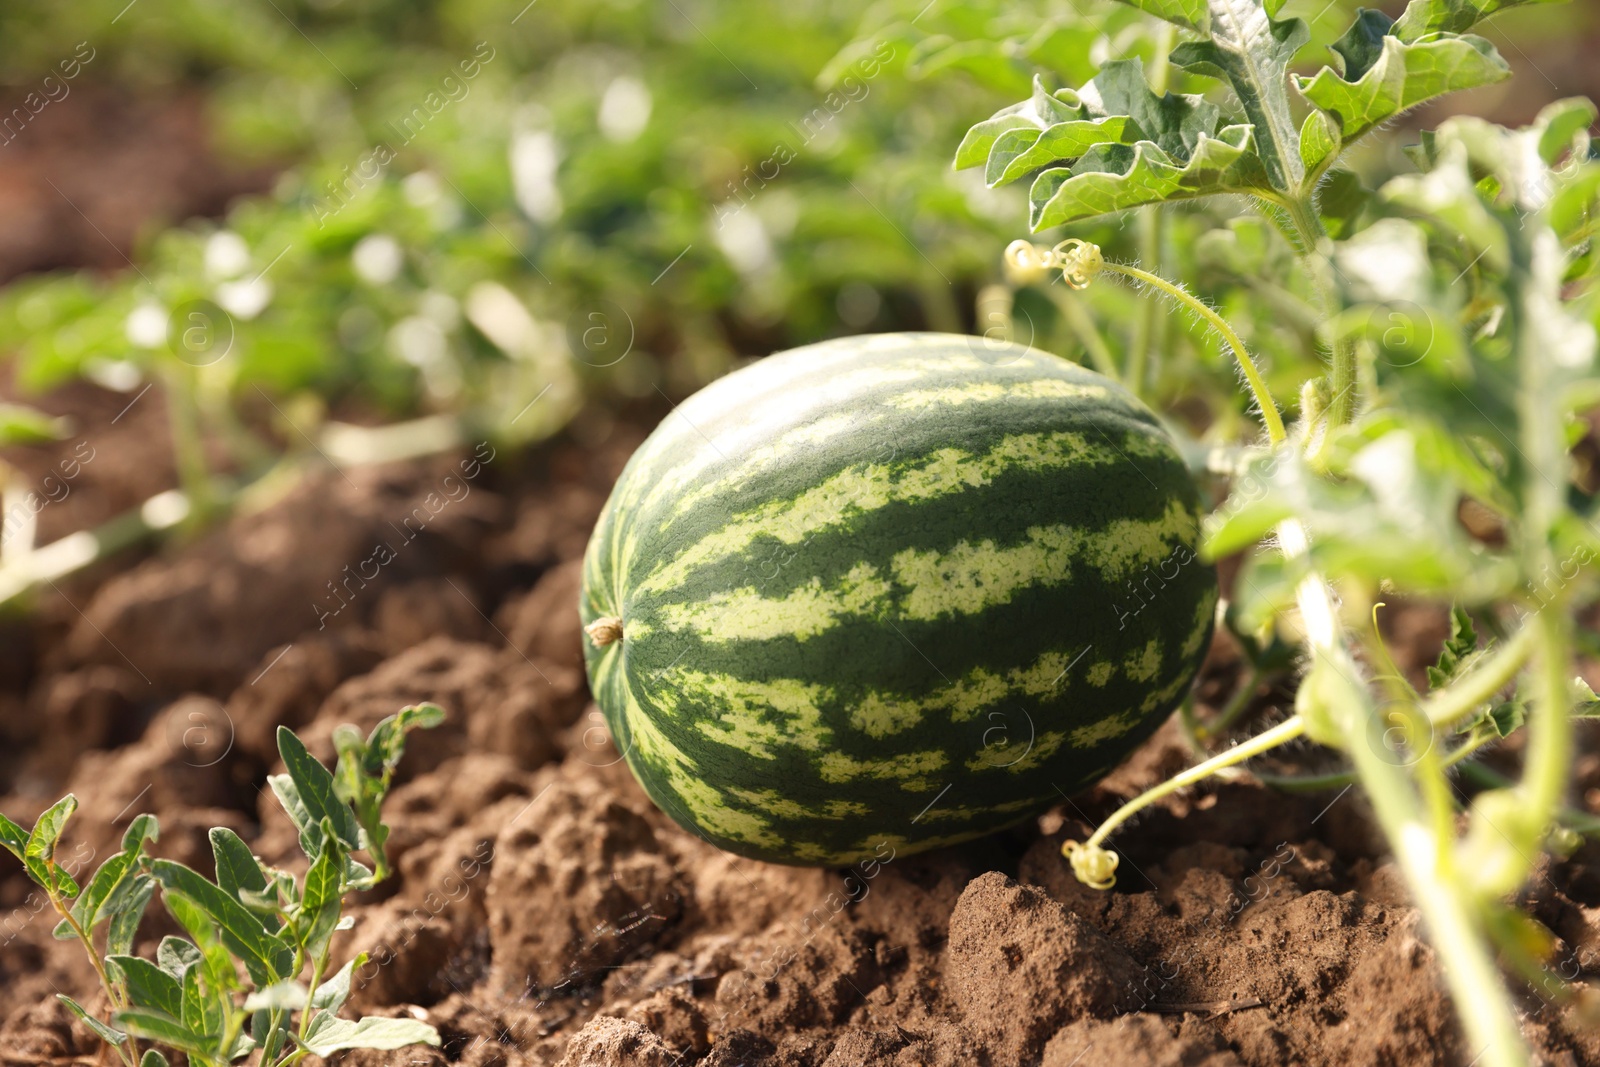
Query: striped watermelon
{"type": "Point", "coordinates": [893, 591]}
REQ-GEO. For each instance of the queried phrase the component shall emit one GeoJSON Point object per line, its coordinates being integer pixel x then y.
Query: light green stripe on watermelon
{"type": "Point", "coordinates": [881, 593]}
{"type": "Point", "coordinates": [965, 580]}
{"type": "Point", "coordinates": [992, 392]}
{"type": "Point", "coordinates": [855, 491]}
{"type": "Point", "coordinates": [746, 615]}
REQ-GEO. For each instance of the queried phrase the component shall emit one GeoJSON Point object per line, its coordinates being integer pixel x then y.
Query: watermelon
{"type": "Point", "coordinates": [891, 593]}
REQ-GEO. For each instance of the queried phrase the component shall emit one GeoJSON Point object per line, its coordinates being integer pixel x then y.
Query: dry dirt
{"type": "Point", "coordinates": [545, 913]}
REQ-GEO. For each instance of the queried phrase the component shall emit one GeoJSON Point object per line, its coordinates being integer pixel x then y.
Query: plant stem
{"type": "Point", "coordinates": [311, 991]}
{"type": "Point", "coordinates": [1573, 818]}
{"type": "Point", "coordinates": [131, 1055]}
{"type": "Point", "coordinates": [1546, 477]}
{"type": "Point", "coordinates": [1455, 702]}
{"type": "Point", "coordinates": [1465, 957]}
{"type": "Point", "coordinates": [1283, 733]}
{"type": "Point", "coordinates": [1148, 324]}
{"type": "Point", "coordinates": [1269, 411]}
{"type": "Point", "coordinates": [188, 444]}
{"type": "Point", "coordinates": [1342, 363]}
{"type": "Point", "coordinates": [1317, 783]}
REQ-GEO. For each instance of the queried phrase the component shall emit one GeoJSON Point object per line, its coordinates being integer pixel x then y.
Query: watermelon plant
{"type": "Point", "coordinates": [839, 598]}
{"type": "Point", "coordinates": [253, 978]}
{"type": "Point", "coordinates": [1455, 312]}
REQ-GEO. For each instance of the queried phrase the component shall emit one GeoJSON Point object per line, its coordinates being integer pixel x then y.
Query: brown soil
{"type": "Point", "coordinates": [94, 172]}
{"type": "Point", "coordinates": [545, 913]}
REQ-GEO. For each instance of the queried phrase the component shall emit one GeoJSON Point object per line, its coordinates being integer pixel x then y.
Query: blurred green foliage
{"type": "Point", "coordinates": [689, 183]}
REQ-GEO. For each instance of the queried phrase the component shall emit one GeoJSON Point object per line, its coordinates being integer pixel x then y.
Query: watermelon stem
{"type": "Point", "coordinates": [604, 631]}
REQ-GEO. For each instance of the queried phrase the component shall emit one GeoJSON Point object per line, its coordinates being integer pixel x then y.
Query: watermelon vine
{"type": "Point", "coordinates": [1491, 242]}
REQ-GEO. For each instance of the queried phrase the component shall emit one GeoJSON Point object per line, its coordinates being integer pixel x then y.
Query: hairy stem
{"type": "Point", "coordinates": [1497, 670]}
{"type": "Point", "coordinates": [1258, 386]}
{"type": "Point", "coordinates": [1342, 360]}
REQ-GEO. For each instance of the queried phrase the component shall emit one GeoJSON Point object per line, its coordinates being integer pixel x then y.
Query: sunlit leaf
{"type": "Point", "coordinates": [266, 958]}
{"type": "Point", "coordinates": [159, 1026]}
{"type": "Point", "coordinates": [148, 985]}
{"type": "Point", "coordinates": [1422, 17]}
{"type": "Point", "coordinates": [1115, 177]}
{"type": "Point", "coordinates": [1251, 50]}
{"type": "Point", "coordinates": [1190, 14]}
{"type": "Point", "coordinates": [89, 1019]}
{"type": "Point", "coordinates": [288, 995]}
{"type": "Point", "coordinates": [1040, 111]}
{"type": "Point", "coordinates": [127, 911]}
{"type": "Point", "coordinates": [1401, 76]}
{"type": "Point", "coordinates": [1020, 151]}
{"type": "Point", "coordinates": [331, 994]}
{"type": "Point", "coordinates": [331, 1034]}
{"type": "Point", "coordinates": [314, 783]}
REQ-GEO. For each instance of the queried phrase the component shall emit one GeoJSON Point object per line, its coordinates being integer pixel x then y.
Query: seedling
{"type": "Point", "coordinates": [252, 980]}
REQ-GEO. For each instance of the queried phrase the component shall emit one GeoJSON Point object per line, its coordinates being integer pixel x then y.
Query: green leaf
{"type": "Point", "coordinates": [1448, 194]}
{"type": "Point", "coordinates": [1422, 17]}
{"type": "Point", "coordinates": [1178, 123]}
{"type": "Point", "coordinates": [1402, 76]}
{"type": "Point", "coordinates": [237, 867]}
{"type": "Point", "coordinates": [1508, 717]}
{"type": "Point", "coordinates": [1018, 152]}
{"type": "Point", "coordinates": [1114, 177]}
{"type": "Point", "coordinates": [152, 1058]}
{"type": "Point", "coordinates": [143, 828]}
{"type": "Point", "coordinates": [1319, 143]}
{"type": "Point", "coordinates": [314, 783]}
{"type": "Point", "coordinates": [320, 901]}
{"type": "Point", "coordinates": [331, 994]}
{"type": "Point", "coordinates": [1190, 14]}
{"type": "Point", "coordinates": [159, 1026]}
{"type": "Point", "coordinates": [1563, 126]}
{"type": "Point", "coordinates": [175, 955]}
{"type": "Point", "coordinates": [1040, 111]}
{"type": "Point", "coordinates": [105, 895]}
{"type": "Point", "coordinates": [288, 795]}
{"type": "Point", "coordinates": [205, 1010]}
{"type": "Point", "coordinates": [1341, 199]}
{"type": "Point", "coordinates": [331, 1034]}
{"type": "Point", "coordinates": [1588, 705]}
{"type": "Point", "coordinates": [1251, 51]}
{"type": "Point", "coordinates": [21, 425]}
{"type": "Point", "coordinates": [14, 838]}
{"type": "Point", "coordinates": [40, 849]}
{"type": "Point", "coordinates": [106, 1033]}
{"type": "Point", "coordinates": [270, 1031]}
{"type": "Point", "coordinates": [127, 911]}
{"type": "Point", "coordinates": [148, 985]}
{"type": "Point", "coordinates": [1362, 44]}
{"type": "Point", "coordinates": [264, 956]}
